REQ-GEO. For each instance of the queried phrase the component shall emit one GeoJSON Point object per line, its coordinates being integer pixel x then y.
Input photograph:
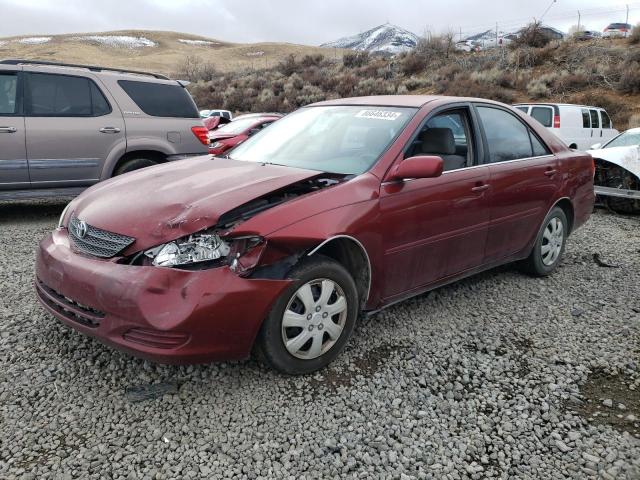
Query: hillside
{"type": "Point", "coordinates": [151, 50]}
{"type": "Point", "coordinates": [385, 39]}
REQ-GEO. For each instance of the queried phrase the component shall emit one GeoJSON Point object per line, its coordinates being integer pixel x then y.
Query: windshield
{"type": "Point", "coordinates": [237, 126]}
{"type": "Point", "coordinates": [626, 139]}
{"type": "Point", "coordinates": [340, 139]}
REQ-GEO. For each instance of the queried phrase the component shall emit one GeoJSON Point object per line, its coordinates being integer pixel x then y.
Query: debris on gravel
{"type": "Point", "coordinates": [498, 376]}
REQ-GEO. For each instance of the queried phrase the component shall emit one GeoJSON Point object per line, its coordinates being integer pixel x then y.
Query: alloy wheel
{"type": "Point", "coordinates": [552, 241]}
{"type": "Point", "coordinates": [314, 318]}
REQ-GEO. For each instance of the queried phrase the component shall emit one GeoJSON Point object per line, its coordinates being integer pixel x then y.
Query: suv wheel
{"type": "Point", "coordinates": [549, 246]}
{"type": "Point", "coordinates": [312, 321]}
{"type": "Point", "coordinates": [133, 164]}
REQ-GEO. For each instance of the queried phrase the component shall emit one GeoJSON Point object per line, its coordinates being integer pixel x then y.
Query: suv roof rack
{"type": "Point", "coordinates": [93, 68]}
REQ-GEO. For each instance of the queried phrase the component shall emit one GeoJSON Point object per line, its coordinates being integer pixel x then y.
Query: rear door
{"type": "Point", "coordinates": [14, 170]}
{"type": "Point", "coordinates": [524, 179]}
{"type": "Point", "coordinates": [71, 129]}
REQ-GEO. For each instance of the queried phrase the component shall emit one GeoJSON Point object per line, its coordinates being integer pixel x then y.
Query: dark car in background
{"type": "Point", "coordinates": [65, 127]}
{"type": "Point", "coordinates": [227, 136]}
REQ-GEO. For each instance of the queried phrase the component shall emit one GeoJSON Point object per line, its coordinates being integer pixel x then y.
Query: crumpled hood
{"type": "Point", "coordinates": [627, 157]}
{"type": "Point", "coordinates": [165, 202]}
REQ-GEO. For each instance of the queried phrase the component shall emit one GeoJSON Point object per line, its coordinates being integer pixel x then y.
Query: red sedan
{"type": "Point", "coordinates": [237, 131]}
{"type": "Point", "coordinates": [341, 207]}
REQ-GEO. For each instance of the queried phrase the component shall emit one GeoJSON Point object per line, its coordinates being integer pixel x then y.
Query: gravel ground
{"type": "Point", "coordinates": [501, 376]}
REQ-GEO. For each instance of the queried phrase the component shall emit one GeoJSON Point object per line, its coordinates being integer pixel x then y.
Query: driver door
{"type": "Point", "coordinates": [436, 228]}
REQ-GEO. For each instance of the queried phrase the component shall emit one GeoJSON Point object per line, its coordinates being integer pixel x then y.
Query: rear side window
{"type": "Point", "coordinates": [595, 120]}
{"type": "Point", "coordinates": [606, 121]}
{"type": "Point", "coordinates": [507, 137]}
{"type": "Point", "coordinates": [8, 94]}
{"type": "Point", "coordinates": [586, 118]}
{"type": "Point", "coordinates": [543, 114]}
{"type": "Point", "coordinates": [539, 149]}
{"type": "Point", "coordinates": [50, 95]}
{"type": "Point", "coordinates": [160, 99]}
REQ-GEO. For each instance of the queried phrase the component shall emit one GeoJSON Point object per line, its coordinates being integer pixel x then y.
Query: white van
{"type": "Point", "coordinates": [579, 126]}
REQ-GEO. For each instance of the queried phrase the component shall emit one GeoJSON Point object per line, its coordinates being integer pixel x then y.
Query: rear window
{"type": "Point", "coordinates": [160, 99]}
{"type": "Point", "coordinates": [543, 114]}
{"type": "Point", "coordinates": [619, 26]}
{"type": "Point", "coordinates": [52, 95]}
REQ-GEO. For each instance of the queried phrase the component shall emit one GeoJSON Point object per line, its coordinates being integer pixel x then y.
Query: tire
{"type": "Point", "coordinates": [315, 345]}
{"type": "Point", "coordinates": [551, 241]}
{"type": "Point", "coordinates": [133, 164]}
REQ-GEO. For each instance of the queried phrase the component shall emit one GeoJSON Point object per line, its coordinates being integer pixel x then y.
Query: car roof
{"type": "Point", "coordinates": [415, 101]}
{"type": "Point", "coordinates": [558, 104]}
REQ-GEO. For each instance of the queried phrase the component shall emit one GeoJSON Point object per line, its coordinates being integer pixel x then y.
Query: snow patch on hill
{"type": "Point", "coordinates": [34, 40]}
{"type": "Point", "coordinates": [197, 43]}
{"type": "Point", "coordinates": [389, 39]}
{"type": "Point", "coordinates": [117, 41]}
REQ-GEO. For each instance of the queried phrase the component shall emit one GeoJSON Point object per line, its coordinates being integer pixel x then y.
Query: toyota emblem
{"type": "Point", "coordinates": [81, 229]}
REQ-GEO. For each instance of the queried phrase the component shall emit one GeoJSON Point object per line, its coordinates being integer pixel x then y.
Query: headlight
{"type": "Point", "coordinates": [64, 212]}
{"type": "Point", "coordinates": [196, 248]}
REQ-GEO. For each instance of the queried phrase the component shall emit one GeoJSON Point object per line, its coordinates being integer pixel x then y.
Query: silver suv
{"type": "Point", "coordinates": [65, 127]}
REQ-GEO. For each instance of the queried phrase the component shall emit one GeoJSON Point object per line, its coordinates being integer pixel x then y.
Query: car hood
{"type": "Point", "coordinates": [165, 202]}
{"type": "Point", "coordinates": [627, 157]}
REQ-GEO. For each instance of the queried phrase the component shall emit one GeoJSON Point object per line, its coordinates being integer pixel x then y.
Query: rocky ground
{"type": "Point", "coordinates": [498, 376]}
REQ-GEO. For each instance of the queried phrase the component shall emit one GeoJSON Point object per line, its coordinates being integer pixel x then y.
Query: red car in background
{"type": "Point", "coordinates": [341, 207]}
{"type": "Point", "coordinates": [238, 130]}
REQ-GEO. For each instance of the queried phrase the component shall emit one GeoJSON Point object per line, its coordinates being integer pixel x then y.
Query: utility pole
{"type": "Point", "coordinates": [578, 20]}
{"type": "Point", "coordinates": [497, 35]}
{"type": "Point", "coordinates": [627, 20]}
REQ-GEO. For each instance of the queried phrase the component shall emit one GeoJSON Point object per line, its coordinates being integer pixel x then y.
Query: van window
{"type": "Point", "coordinates": [524, 109]}
{"type": "Point", "coordinates": [161, 99]}
{"type": "Point", "coordinates": [507, 137]}
{"type": "Point", "coordinates": [595, 120]}
{"type": "Point", "coordinates": [543, 115]}
{"type": "Point", "coordinates": [586, 118]}
{"type": "Point", "coordinates": [606, 121]}
{"type": "Point", "coordinates": [8, 93]}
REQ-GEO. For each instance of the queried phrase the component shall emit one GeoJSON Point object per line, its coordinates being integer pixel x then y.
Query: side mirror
{"type": "Point", "coordinates": [595, 146]}
{"type": "Point", "coordinates": [423, 166]}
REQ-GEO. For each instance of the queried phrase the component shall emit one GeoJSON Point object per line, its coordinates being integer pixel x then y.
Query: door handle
{"type": "Point", "coordinates": [8, 129]}
{"type": "Point", "coordinates": [109, 130]}
{"type": "Point", "coordinates": [480, 188]}
{"type": "Point", "coordinates": [550, 172]}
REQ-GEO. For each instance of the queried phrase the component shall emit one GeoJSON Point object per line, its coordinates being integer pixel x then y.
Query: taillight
{"type": "Point", "coordinates": [201, 133]}
{"type": "Point", "coordinates": [556, 121]}
{"type": "Point", "coordinates": [593, 167]}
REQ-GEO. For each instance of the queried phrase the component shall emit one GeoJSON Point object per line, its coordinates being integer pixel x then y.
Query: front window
{"type": "Point", "coordinates": [333, 139]}
{"type": "Point", "coordinates": [626, 139]}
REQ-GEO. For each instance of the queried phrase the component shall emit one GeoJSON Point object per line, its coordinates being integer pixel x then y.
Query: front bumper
{"type": "Point", "coordinates": [617, 192]}
{"type": "Point", "coordinates": [163, 314]}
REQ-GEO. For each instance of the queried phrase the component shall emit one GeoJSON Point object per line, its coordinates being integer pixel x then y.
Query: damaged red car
{"type": "Point", "coordinates": [342, 207]}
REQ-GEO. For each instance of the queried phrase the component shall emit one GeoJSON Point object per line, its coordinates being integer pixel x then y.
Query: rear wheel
{"type": "Point", "coordinates": [550, 243]}
{"type": "Point", "coordinates": [311, 322]}
{"type": "Point", "coordinates": [133, 164]}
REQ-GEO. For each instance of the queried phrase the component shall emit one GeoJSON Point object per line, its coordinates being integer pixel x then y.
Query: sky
{"type": "Point", "coordinates": [309, 22]}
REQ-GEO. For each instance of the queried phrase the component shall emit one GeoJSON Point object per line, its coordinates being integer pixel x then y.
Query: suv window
{"type": "Point", "coordinates": [447, 136]}
{"type": "Point", "coordinates": [586, 119]}
{"type": "Point", "coordinates": [543, 114]}
{"type": "Point", "coordinates": [606, 121]}
{"type": "Point", "coordinates": [8, 93]}
{"type": "Point", "coordinates": [51, 95]}
{"type": "Point", "coordinates": [507, 137]}
{"type": "Point", "coordinates": [160, 99]}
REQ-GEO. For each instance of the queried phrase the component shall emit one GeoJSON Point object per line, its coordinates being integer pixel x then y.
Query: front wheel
{"type": "Point", "coordinates": [550, 243]}
{"type": "Point", "coordinates": [311, 322]}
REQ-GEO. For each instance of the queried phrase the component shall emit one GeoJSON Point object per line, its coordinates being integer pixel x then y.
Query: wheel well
{"type": "Point", "coordinates": [567, 207]}
{"type": "Point", "coordinates": [351, 255]}
{"type": "Point", "coordinates": [150, 154]}
{"type": "Point", "coordinates": [574, 146]}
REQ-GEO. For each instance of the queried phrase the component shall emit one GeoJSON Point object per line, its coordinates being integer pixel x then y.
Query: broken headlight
{"type": "Point", "coordinates": [196, 248]}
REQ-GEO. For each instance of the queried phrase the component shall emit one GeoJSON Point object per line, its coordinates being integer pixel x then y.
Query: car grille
{"type": "Point", "coordinates": [97, 242]}
{"type": "Point", "coordinates": [69, 309]}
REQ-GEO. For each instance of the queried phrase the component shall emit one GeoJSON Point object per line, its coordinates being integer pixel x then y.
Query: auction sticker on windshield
{"type": "Point", "coordinates": [379, 114]}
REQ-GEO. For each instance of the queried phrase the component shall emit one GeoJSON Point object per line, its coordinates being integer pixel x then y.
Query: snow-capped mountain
{"type": "Point", "coordinates": [387, 38]}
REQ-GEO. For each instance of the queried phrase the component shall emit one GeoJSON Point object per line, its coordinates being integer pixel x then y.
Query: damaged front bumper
{"type": "Point", "coordinates": [616, 192]}
{"type": "Point", "coordinates": [167, 315]}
